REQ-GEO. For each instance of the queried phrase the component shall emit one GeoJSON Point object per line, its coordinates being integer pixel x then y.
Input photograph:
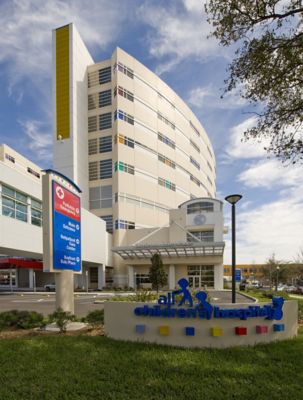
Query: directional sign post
{"type": "Point", "coordinates": [238, 275]}
{"type": "Point", "coordinates": [61, 234]}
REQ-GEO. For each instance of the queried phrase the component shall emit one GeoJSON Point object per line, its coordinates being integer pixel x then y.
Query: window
{"type": "Point", "coordinates": [166, 140]}
{"type": "Point", "coordinates": [92, 124]}
{"type": "Point", "coordinates": [122, 224]}
{"type": "Point", "coordinates": [36, 212]}
{"type": "Point", "coordinates": [105, 98]}
{"type": "Point", "coordinates": [202, 236]}
{"type": "Point", "coordinates": [14, 204]}
{"type": "Point", "coordinates": [124, 69]}
{"type": "Point", "coordinates": [165, 120]}
{"type": "Point", "coordinates": [194, 128]}
{"type": "Point", "coordinates": [100, 197]}
{"type": "Point", "coordinates": [33, 172]}
{"type": "Point", "coordinates": [209, 166]}
{"type": "Point", "coordinates": [201, 206]}
{"type": "Point", "coordinates": [124, 116]}
{"type": "Point", "coordinates": [109, 222]}
{"type": "Point", "coordinates": [10, 158]}
{"type": "Point", "coordinates": [200, 275]}
{"type": "Point", "coordinates": [196, 147]}
{"type": "Point", "coordinates": [92, 146]}
{"type": "Point", "coordinates": [211, 154]}
{"type": "Point", "coordinates": [93, 274]}
{"type": "Point", "coordinates": [92, 101]}
{"type": "Point", "coordinates": [142, 278]}
{"type": "Point", "coordinates": [106, 167]}
{"type": "Point", "coordinates": [93, 171]}
{"type": "Point", "coordinates": [125, 140]}
{"type": "Point", "coordinates": [105, 144]}
{"type": "Point", "coordinates": [105, 75]}
{"type": "Point", "coordinates": [195, 180]}
{"type": "Point", "coordinates": [209, 180]}
{"type": "Point", "coordinates": [124, 167]}
{"type": "Point", "coordinates": [194, 162]}
{"type": "Point", "coordinates": [105, 121]}
{"type": "Point", "coordinates": [167, 184]}
{"type": "Point", "coordinates": [123, 92]}
{"type": "Point", "coordinates": [166, 161]}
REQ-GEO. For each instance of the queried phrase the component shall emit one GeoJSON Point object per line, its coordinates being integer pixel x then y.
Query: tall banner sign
{"type": "Point", "coordinates": [61, 224]}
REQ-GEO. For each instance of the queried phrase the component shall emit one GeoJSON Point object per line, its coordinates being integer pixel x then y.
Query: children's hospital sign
{"type": "Point", "coordinates": [181, 318]}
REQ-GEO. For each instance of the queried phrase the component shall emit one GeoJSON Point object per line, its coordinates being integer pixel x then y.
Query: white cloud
{"type": "Point", "coordinates": [179, 34]}
{"type": "Point", "coordinates": [271, 228]}
{"type": "Point", "coordinates": [209, 96]}
{"type": "Point", "coordinates": [39, 139]}
{"type": "Point", "coordinates": [25, 32]}
{"type": "Point", "coordinates": [271, 174]}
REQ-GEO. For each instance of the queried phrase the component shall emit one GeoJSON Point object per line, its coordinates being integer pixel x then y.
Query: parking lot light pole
{"type": "Point", "coordinates": [277, 280]}
{"type": "Point", "coordinates": [233, 199]}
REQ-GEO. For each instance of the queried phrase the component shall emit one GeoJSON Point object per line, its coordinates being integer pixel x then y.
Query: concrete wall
{"type": "Point", "coordinates": [120, 323]}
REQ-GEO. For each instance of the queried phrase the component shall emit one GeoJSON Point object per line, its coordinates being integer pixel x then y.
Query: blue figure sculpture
{"type": "Point", "coordinates": [277, 304]}
{"type": "Point", "coordinates": [183, 283]}
{"type": "Point", "coordinates": [204, 304]}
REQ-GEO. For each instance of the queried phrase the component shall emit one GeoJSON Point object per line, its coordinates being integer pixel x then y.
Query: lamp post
{"type": "Point", "coordinates": [233, 199]}
{"type": "Point", "coordinates": [277, 278]}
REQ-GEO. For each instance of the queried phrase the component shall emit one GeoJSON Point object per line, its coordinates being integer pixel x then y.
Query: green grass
{"type": "Point", "coordinates": [82, 367]}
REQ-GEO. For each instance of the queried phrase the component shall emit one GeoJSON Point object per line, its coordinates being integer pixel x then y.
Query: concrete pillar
{"type": "Point", "coordinates": [65, 290]}
{"type": "Point", "coordinates": [31, 278]}
{"type": "Point", "coordinates": [131, 280]}
{"type": "Point", "coordinates": [218, 276]}
{"type": "Point", "coordinates": [171, 277]}
{"type": "Point", "coordinates": [101, 276]}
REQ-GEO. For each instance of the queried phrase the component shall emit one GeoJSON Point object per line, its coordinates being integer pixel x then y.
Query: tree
{"type": "Point", "coordinates": [275, 271]}
{"type": "Point", "coordinates": [268, 66]}
{"type": "Point", "coordinates": [157, 274]}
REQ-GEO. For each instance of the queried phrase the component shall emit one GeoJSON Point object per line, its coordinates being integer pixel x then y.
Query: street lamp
{"type": "Point", "coordinates": [233, 199]}
{"type": "Point", "coordinates": [277, 280]}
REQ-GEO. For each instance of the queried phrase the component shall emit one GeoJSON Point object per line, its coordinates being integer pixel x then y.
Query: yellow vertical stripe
{"type": "Point", "coordinates": [62, 82]}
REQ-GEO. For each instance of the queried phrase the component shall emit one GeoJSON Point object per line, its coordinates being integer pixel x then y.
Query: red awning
{"type": "Point", "coordinates": [11, 262]}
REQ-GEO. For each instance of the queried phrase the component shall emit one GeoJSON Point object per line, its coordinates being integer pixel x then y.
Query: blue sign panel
{"type": "Point", "coordinates": [66, 229]}
{"type": "Point", "coordinates": [238, 275]}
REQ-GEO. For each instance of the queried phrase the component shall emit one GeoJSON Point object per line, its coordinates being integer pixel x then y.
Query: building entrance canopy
{"type": "Point", "coordinates": [170, 250]}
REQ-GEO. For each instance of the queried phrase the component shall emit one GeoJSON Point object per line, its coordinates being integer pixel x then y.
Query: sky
{"type": "Point", "coordinates": [171, 38]}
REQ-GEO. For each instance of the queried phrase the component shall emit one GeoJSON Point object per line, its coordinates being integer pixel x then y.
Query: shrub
{"type": "Point", "coordinates": [21, 319]}
{"type": "Point", "coordinates": [95, 318]}
{"type": "Point", "coordinates": [61, 318]}
{"type": "Point", "coordinates": [31, 320]}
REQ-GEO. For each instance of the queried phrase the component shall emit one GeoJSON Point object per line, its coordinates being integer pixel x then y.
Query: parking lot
{"type": "Point", "coordinates": [45, 303]}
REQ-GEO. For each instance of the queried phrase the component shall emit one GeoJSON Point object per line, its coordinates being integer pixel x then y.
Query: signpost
{"type": "Point", "coordinates": [61, 234]}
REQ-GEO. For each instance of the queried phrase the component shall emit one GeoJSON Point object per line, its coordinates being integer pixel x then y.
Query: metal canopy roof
{"type": "Point", "coordinates": [170, 250]}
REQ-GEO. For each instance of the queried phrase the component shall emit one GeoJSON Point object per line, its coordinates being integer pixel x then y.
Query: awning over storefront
{"type": "Point", "coordinates": [11, 262]}
{"type": "Point", "coordinates": [170, 250]}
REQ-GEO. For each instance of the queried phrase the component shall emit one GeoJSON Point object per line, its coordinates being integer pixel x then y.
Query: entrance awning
{"type": "Point", "coordinates": [170, 250]}
{"type": "Point", "coordinates": [11, 262]}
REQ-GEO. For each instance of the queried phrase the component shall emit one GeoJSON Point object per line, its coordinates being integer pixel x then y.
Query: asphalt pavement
{"type": "Point", "coordinates": [45, 303]}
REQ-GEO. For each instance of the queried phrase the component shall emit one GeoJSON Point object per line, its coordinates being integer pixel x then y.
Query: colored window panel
{"type": "Point", "coordinates": [62, 83]}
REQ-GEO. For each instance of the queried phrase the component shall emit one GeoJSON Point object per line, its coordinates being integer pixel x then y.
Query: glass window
{"type": "Point", "coordinates": [92, 146]}
{"type": "Point", "coordinates": [105, 121]}
{"type": "Point", "coordinates": [194, 162]}
{"type": "Point", "coordinates": [93, 170]}
{"type": "Point", "coordinates": [105, 98]}
{"type": "Point", "coordinates": [36, 217]}
{"type": "Point", "coordinates": [122, 166]}
{"type": "Point", "coordinates": [109, 222]}
{"type": "Point", "coordinates": [106, 167]}
{"type": "Point", "coordinates": [122, 224]}
{"type": "Point", "coordinates": [105, 75]}
{"type": "Point", "coordinates": [105, 144]}
{"type": "Point", "coordinates": [8, 207]}
{"type": "Point", "coordinates": [100, 197]}
{"type": "Point", "coordinates": [92, 123]}
{"type": "Point", "coordinates": [202, 236]}
{"type": "Point", "coordinates": [200, 206]}
{"type": "Point", "coordinates": [166, 140]}
{"type": "Point", "coordinates": [93, 274]}
{"type": "Point", "coordinates": [201, 275]}
{"type": "Point", "coordinates": [124, 116]}
{"type": "Point", "coordinates": [167, 184]}
{"type": "Point", "coordinates": [14, 204]}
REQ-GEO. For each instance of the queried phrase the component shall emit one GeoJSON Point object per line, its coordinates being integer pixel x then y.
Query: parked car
{"type": "Point", "coordinates": [50, 287]}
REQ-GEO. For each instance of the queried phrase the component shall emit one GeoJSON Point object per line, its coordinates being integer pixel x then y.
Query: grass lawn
{"type": "Point", "coordinates": [83, 367]}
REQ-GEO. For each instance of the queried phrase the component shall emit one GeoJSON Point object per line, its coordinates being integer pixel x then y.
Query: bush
{"type": "Point", "coordinates": [61, 318]}
{"type": "Point", "coordinates": [21, 319]}
{"type": "Point", "coordinates": [95, 318]}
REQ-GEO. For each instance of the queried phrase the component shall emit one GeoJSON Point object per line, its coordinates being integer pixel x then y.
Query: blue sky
{"type": "Point", "coordinates": [170, 38]}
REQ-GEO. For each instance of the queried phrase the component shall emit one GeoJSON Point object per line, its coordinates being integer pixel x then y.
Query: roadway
{"type": "Point", "coordinates": [45, 303]}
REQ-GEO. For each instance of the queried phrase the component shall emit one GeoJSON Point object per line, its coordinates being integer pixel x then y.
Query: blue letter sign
{"type": "Point", "coordinates": [66, 229]}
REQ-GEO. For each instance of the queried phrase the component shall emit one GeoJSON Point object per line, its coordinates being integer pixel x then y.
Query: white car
{"type": "Point", "coordinates": [50, 287]}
